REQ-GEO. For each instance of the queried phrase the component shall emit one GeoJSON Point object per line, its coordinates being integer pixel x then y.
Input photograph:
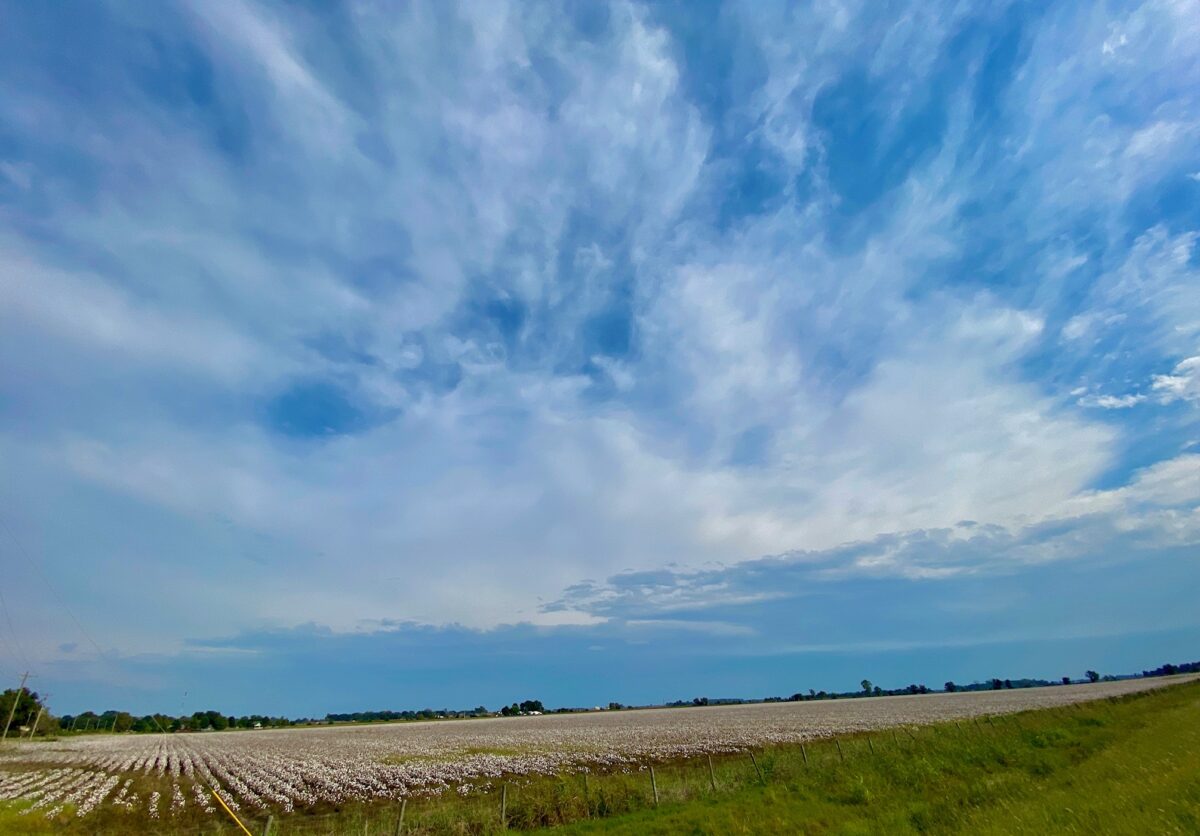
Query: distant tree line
{"type": "Point", "coordinates": [699, 701]}
{"type": "Point", "coordinates": [868, 690]}
{"type": "Point", "coordinates": [392, 716]}
{"type": "Point", "coordinates": [123, 721]}
{"type": "Point", "coordinates": [30, 707]}
{"type": "Point", "coordinates": [1170, 670]}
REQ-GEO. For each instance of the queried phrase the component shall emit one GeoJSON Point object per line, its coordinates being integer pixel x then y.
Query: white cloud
{"type": "Point", "coordinates": [19, 174]}
{"type": "Point", "coordinates": [1111, 401]}
{"type": "Point", "coordinates": [1151, 289]}
{"type": "Point", "coordinates": [1170, 484]}
{"type": "Point", "coordinates": [1114, 42]}
{"type": "Point", "coordinates": [241, 32]}
{"type": "Point", "coordinates": [1182, 384]}
{"type": "Point", "coordinates": [710, 628]}
{"type": "Point", "coordinates": [1083, 324]}
{"type": "Point", "coordinates": [86, 310]}
{"type": "Point", "coordinates": [1158, 139]}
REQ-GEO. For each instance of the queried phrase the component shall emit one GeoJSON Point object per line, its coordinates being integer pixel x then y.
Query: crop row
{"type": "Point", "coordinates": [286, 770]}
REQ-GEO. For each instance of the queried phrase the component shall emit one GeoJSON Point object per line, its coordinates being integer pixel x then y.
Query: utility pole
{"type": "Point", "coordinates": [16, 700]}
{"type": "Point", "coordinates": [41, 708]}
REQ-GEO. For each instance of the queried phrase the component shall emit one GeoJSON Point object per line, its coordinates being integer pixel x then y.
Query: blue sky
{"type": "Point", "coordinates": [391, 355]}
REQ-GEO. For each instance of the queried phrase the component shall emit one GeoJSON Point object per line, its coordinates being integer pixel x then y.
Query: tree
{"type": "Point", "coordinates": [27, 708]}
{"type": "Point", "coordinates": [997, 684]}
{"type": "Point", "coordinates": [699, 701]}
{"type": "Point", "coordinates": [152, 723]}
{"type": "Point", "coordinates": [1093, 676]}
{"type": "Point", "coordinates": [866, 686]}
{"type": "Point", "coordinates": [951, 687]}
{"type": "Point", "coordinates": [529, 706]}
{"type": "Point", "coordinates": [1008, 683]}
{"type": "Point", "coordinates": [1066, 680]}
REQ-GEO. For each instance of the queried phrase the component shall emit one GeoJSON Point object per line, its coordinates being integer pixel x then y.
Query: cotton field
{"type": "Point", "coordinates": [280, 771]}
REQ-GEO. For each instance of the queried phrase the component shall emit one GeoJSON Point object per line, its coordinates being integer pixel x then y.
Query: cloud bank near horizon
{"type": "Point", "coordinates": [468, 317]}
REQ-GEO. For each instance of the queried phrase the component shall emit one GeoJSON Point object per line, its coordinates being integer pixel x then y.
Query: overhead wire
{"type": "Point", "coordinates": [14, 648]}
{"type": "Point", "coordinates": [37, 564]}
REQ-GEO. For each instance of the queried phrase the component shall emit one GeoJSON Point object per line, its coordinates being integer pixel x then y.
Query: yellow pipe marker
{"type": "Point", "coordinates": [221, 801]}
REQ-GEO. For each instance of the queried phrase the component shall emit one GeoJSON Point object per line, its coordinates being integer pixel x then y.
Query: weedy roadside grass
{"type": "Point", "coordinates": [1130, 765]}
{"type": "Point", "coordinates": [1122, 765]}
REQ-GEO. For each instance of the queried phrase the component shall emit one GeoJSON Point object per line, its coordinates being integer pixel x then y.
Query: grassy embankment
{"type": "Point", "coordinates": [1128, 765]}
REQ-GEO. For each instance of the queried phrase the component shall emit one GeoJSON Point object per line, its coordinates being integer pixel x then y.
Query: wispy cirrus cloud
{"type": "Point", "coordinates": [429, 314]}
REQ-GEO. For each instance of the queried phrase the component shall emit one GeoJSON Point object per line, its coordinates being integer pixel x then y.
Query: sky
{"type": "Point", "coordinates": [397, 355]}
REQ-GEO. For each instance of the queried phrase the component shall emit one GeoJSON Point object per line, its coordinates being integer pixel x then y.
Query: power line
{"type": "Point", "coordinates": [15, 647]}
{"type": "Point", "coordinates": [37, 564]}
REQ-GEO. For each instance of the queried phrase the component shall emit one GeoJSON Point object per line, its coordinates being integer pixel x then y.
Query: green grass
{"type": "Point", "coordinates": [1130, 765]}
{"type": "Point", "coordinates": [11, 820]}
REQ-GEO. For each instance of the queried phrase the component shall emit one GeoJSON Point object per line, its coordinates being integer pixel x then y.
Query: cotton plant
{"type": "Point", "coordinates": [303, 768]}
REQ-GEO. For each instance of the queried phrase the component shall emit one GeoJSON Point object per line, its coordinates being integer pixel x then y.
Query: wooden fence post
{"type": "Point", "coordinates": [804, 753]}
{"type": "Point", "coordinates": [270, 826]}
{"type": "Point", "coordinates": [654, 785]}
{"type": "Point", "coordinates": [756, 769]}
{"type": "Point", "coordinates": [587, 796]}
{"type": "Point", "coordinates": [504, 805]}
{"type": "Point", "coordinates": [400, 820]}
{"type": "Point", "coordinates": [712, 776]}
{"type": "Point", "coordinates": [838, 743]}
{"type": "Point", "coordinates": [870, 745]}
